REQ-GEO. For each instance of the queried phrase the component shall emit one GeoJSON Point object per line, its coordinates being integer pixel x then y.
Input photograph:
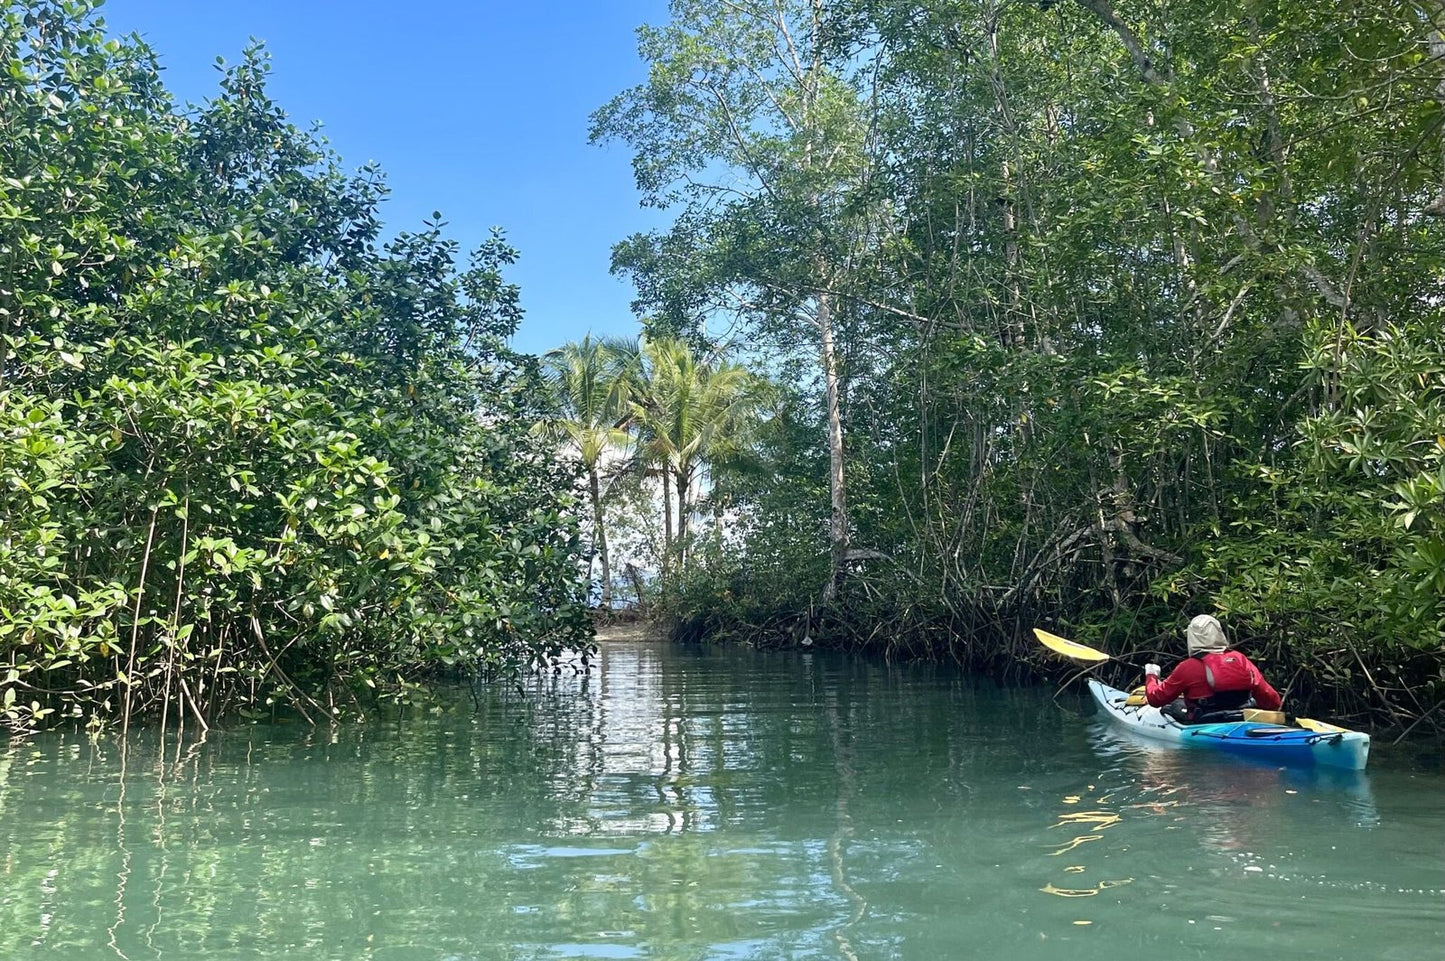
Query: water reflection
{"type": "Point", "coordinates": [1178, 806]}
{"type": "Point", "coordinates": [1094, 819]}
{"type": "Point", "coordinates": [1232, 782]}
{"type": "Point", "coordinates": [696, 805]}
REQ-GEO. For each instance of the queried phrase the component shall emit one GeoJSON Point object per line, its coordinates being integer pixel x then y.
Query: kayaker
{"type": "Point", "coordinates": [1213, 678]}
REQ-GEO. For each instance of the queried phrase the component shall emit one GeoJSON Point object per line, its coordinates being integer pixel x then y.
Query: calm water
{"type": "Point", "coordinates": [714, 805]}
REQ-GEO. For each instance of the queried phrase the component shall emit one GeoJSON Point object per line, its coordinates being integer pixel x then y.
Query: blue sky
{"type": "Point", "coordinates": [476, 109]}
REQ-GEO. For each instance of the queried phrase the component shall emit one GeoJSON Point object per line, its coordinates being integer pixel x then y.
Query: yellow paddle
{"type": "Point", "coordinates": [1073, 650]}
{"type": "Point", "coordinates": [1083, 654]}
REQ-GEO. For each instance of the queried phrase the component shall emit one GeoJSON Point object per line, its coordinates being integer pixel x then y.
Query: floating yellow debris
{"type": "Point", "coordinates": [1069, 892]}
{"type": "Point", "coordinates": [1100, 819]}
{"type": "Point", "coordinates": [1084, 892]}
{"type": "Point", "coordinates": [1075, 843]}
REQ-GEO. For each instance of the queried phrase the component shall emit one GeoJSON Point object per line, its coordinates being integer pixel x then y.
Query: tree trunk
{"type": "Point", "coordinates": [599, 538]}
{"type": "Point", "coordinates": [1011, 330]}
{"type": "Point", "coordinates": [684, 483]}
{"type": "Point", "coordinates": [1436, 44]}
{"type": "Point", "coordinates": [838, 522]}
{"type": "Point", "coordinates": [666, 522]}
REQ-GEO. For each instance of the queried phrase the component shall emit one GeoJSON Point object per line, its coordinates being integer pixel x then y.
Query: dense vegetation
{"type": "Point", "coordinates": [1091, 313]}
{"type": "Point", "coordinates": [1079, 313]}
{"type": "Point", "coordinates": [248, 452]}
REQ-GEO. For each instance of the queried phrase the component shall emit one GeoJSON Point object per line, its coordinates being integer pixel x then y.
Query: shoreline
{"type": "Point", "coordinates": [630, 631]}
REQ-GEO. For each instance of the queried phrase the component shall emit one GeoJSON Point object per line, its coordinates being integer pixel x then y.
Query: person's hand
{"type": "Point", "coordinates": [1151, 670]}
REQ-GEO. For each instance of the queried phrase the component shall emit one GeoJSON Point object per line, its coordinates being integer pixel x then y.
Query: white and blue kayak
{"type": "Point", "coordinates": [1301, 743]}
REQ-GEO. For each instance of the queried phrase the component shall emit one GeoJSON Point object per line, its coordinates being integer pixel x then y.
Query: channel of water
{"type": "Point", "coordinates": [709, 803]}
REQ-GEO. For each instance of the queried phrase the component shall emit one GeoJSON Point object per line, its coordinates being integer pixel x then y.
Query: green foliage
{"type": "Point", "coordinates": [668, 414]}
{"type": "Point", "coordinates": [1136, 310]}
{"type": "Point", "coordinates": [247, 454]}
{"type": "Point", "coordinates": [763, 562]}
{"type": "Point", "coordinates": [690, 412]}
{"type": "Point", "coordinates": [1344, 546]}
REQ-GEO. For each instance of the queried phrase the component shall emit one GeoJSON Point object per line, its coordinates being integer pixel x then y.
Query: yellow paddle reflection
{"type": "Point", "coordinates": [1085, 892]}
{"type": "Point", "coordinates": [1095, 821]}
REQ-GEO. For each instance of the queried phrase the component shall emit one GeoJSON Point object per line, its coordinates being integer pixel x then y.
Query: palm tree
{"type": "Point", "coordinates": [689, 412]}
{"type": "Point", "coordinates": [589, 381]}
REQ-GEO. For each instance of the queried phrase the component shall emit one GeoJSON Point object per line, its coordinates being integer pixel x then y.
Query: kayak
{"type": "Point", "coordinates": [1303, 743]}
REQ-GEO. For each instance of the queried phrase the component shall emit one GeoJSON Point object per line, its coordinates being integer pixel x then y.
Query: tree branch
{"type": "Point", "coordinates": [1105, 12]}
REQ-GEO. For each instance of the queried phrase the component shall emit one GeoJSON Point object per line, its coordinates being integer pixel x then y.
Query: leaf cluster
{"type": "Point", "coordinates": [249, 454]}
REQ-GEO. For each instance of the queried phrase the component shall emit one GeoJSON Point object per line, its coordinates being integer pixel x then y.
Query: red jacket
{"type": "Point", "coordinates": [1190, 679]}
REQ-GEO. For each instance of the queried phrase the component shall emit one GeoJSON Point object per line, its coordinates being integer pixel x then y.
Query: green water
{"type": "Point", "coordinates": [711, 804]}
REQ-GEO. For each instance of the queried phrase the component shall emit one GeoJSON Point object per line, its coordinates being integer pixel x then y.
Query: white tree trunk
{"type": "Point", "coordinates": [599, 538]}
{"type": "Point", "coordinates": [838, 520]}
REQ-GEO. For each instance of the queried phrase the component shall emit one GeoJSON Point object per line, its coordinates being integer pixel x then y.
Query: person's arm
{"type": "Point", "coordinates": [1158, 693]}
{"type": "Point", "coordinates": [1264, 695]}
